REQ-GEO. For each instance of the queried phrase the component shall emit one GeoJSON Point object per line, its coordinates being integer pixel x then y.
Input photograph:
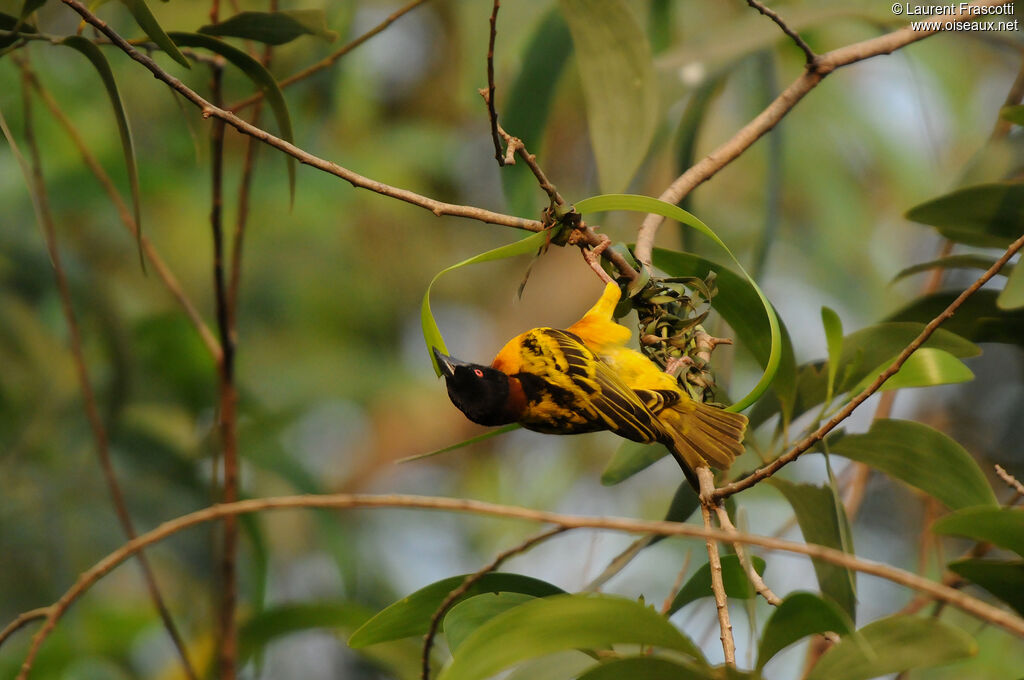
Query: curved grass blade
{"type": "Point", "coordinates": [260, 77]}
{"type": "Point", "coordinates": [99, 62]}
{"type": "Point", "coordinates": [148, 23]}
{"type": "Point", "coordinates": [431, 333]}
{"type": "Point", "coordinates": [646, 204]}
{"type": "Point", "coordinates": [472, 440]}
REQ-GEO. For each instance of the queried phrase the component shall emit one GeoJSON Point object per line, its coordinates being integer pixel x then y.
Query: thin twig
{"type": "Point", "coordinates": [767, 119]}
{"type": "Point", "coordinates": [329, 60]}
{"type": "Point", "coordinates": [677, 585]}
{"type": "Point", "coordinates": [1011, 481]}
{"type": "Point", "coordinates": [21, 621]}
{"type": "Point", "coordinates": [817, 435]}
{"type": "Point", "coordinates": [99, 430]}
{"type": "Point", "coordinates": [449, 600]}
{"type": "Point", "coordinates": [771, 14]}
{"type": "Point", "coordinates": [971, 605]}
{"type": "Point", "coordinates": [491, 113]}
{"type": "Point", "coordinates": [707, 501]}
{"type": "Point", "coordinates": [618, 563]}
{"type": "Point", "coordinates": [741, 554]}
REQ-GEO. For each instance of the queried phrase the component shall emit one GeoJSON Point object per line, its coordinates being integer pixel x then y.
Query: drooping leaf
{"type": "Point", "coordinates": [525, 112]}
{"type": "Point", "coordinates": [922, 457]}
{"type": "Point", "coordinates": [979, 318]}
{"type": "Point", "coordinates": [470, 614]}
{"type": "Point", "coordinates": [431, 333]}
{"type": "Point", "coordinates": [260, 77]}
{"type": "Point", "coordinates": [734, 578]}
{"type": "Point", "coordinates": [148, 23]}
{"type": "Point", "coordinates": [962, 261]}
{"type": "Point", "coordinates": [99, 62]}
{"type": "Point", "coordinates": [273, 28]}
{"type": "Point", "coordinates": [18, 24]}
{"type": "Point", "coordinates": [1002, 526]}
{"type": "Point", "coordinates": [924, 368]}
{"type": "Point", "coordinates": [1004, 579]}
{"type": "Point", "coordinates": [629, 459]}
{"type": "Point", "coordinates": [466, 442]}
{"type": "Point", "coordinates": [800, 614]}
{"type": "Point", "coordinates": [646, 204]}
{"type": "Point", "coordinates": [617, 74]}
{"type": "Point", "coordinates": [1012, 296]}
{"type": "Point", "coordinates": [648, 668]}
{"type": "Point", "coordinates": [986, 215]}
{"type": "Point", "coordinates": [893, 645]}
{"type": "Point", "coordinates": [30, 6]}
{"type": "Point", "coordinates": [833, 326]}
{"type": "Point", "coordinates": [411, 615]}
{"type": "Point", "coordinates": [816, 512]}
{"type": "Point", "coordinates": [562, 622]}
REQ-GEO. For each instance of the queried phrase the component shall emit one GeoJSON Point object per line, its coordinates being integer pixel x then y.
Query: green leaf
{"type": "Point", "coordinates": [924, 368]}
{"type": "Point", "coordinates": [1012, 296]}
{"type": "Point", "coordinates": [273, 28]}
{"type": "Point", "coordinates": [257, 631]}
{"type": "Point", "coordinates": [260, 77]}
{"type": "Point", "coordinates": [411, 615]}
{"type": "Point", "coordinates": [922, 457]}
{"type": "Point", "coordinates": [148, 23]}
{"type": "Point", "coordinates": [986, 215]}
{"type": "Point", "coordinates": [965, 261]}
{"type": "Point", "coordinates": [979, 319]}
{"type": "Point", "coordinates": [799, 615]}
{"type": "Point", "coordinates": [99, 62]}
{"type": "Point", "coordinates": [431, 333]}
{"type": "Point", "coordinates": [629, 459]}
{"type": "Point", "coordinates": [562, 622]}
{"type": "Point", "coordinates": [557, 666]}
{"type": "Point", "coordinates": [1004, 579]}
{"type": "Point", "coordinates": [1013, 114]}
{"type": "Point", "coordinates": [818, 515]}
{"type": "Point", "coordinates": [29, 7]}
{"type": "Point", "coordinates": [472, 440]}
{"type": "Point", "coordinates": [833, 326]}
{"type": "Point", "coordinates": [529, 102]}
{"type": "Point", "coordinates": [896, 644]}
{"type": "Point", "coordinates": [646, 204]}
{"type": "Point", "coordinates": [1002, 526]}
{"type": "Point", "coordinates": [735, 580]}
{"type": "Point", "coordinates": [10, 23]}
{"type": "Point", "coordinates": [619, 86]}
{"type": "Point", "coordinates": [647, 668]}
{"type": "Point", "coordinates": [470, 614]}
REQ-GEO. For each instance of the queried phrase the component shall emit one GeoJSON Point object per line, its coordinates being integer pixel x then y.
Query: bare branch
{"type": "Point", "coordinates": [741, 554]}
{"type": "Point", "coordinates": [771, 14]}
{"type": "Point", "coordinates": [491, 113]}
{"type": "Point", "coordinates": [844, 413]}
{"type": "Point", "coordinates": [767, 119]}
{"type": "Point", "coordinates": [707, 501]}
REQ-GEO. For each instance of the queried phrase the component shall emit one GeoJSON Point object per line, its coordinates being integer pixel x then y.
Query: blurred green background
{"type": "Point", "coordinates": [334, 379]}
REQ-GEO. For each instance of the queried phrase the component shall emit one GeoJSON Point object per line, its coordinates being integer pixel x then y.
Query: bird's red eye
{"type": "Point", "coordinates": [478, 372]}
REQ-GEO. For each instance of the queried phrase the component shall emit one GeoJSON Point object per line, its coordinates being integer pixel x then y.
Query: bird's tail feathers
{"type": "Point", "coordinates": [704, 435]}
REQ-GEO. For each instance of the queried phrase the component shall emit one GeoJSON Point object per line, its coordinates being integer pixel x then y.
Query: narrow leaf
{"type": "Point", "coordinates": [99, 62]}
{"type": "Point", "coordinates": [1012, 296]}
{"type": "Point", "coordinates": [834, 340]}
{"type": "Point", "coordinates": [629, 459]}
{"type": "Point", "coordinates": [799, 615]}
{"type": "Point", "coordinates": [273, 28]}
{"type": "Point", "coordinates": [735, 580]}
{"type": "Point", "coordinates": [1013, 114]}
{"type": "Point", "coordinates": [646, 204]}
{"type": "Point", "coordinates": [1005, 580]}
{"type": "Point", "coordinates": [465, 617]}
{"type": "Point", "coordinates": [259, 630]}
{"type": "Point", "coordinates": [964, 261]}
{"type": "Point", "coordinates": [648, 668]}
{"type": "Point", "coordinates": [922, 457]}
{"type": "Point", "coordinates": [16, 24]}
{"type": "Point", "coordinates": [1002, 526]}
{"type": "Point", "coordinates": [557, 666]}
{"type": "Point", "coordinates": [558, 623]}
{"type": "Point", "coordinates": [528, 103]}
{"type": "Point", "coordinates": [148, 23]}
{"type": "Point", "coordinates": [431, 333]}
{"type": "Point", "coordinates": [411, 615]}
{"type": "Point", "coordinates": [472, 440]}
{"type": "Point", "coordinates": [619, 86]}
{"type": "Point", "coordinates": [895, 644]}
{"type": "Point", "coordinates": [924, 368]}
{"type": "Point", "coordinates": [986, 215]}
{"type": "Point", "coordinates": [979, 319]}
{"type": "Point", "coordinates": [260, 77]}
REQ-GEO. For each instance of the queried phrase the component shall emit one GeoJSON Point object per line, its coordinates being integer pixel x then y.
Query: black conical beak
{"type": "Point", "coordinates": [446, 363]}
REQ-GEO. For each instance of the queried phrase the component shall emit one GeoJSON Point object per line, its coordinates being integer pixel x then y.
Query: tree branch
{"type": "Point", "coordinates": [771, 14]}
{"type": "Point", "coordinates": [767, 119]}
{"type": "Point", "coordinates": [707, 501]}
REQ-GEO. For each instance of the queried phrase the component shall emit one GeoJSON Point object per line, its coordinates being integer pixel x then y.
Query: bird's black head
{"type": "Point", "coordinates": [480, 392]}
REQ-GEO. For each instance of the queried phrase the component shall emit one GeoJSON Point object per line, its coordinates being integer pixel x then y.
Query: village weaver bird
{"type": "Point", "coordinates": [585, 379]}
